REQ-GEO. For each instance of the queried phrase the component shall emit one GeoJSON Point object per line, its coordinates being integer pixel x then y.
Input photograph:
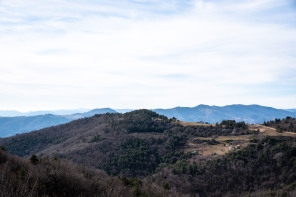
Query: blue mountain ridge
{"type": "Point", "coordinates": [251, 114]}
{"type": "Point", "coordinates": [10, 126]}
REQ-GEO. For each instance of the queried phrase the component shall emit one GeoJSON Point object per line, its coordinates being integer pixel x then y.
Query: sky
{"type": "Point", "coordinates": [62, 54]}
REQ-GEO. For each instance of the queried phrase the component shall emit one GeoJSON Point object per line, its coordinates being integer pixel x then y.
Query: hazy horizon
{"type": "Point", "coordinates": [81, 110]}
{"type": "Point", "coordinates": [134, 54]}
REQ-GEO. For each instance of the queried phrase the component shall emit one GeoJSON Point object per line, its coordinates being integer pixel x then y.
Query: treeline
{"type": "Point", "coordinates": [285, 124]}
{"type": "Point", "coordinates": [225, 128]}
{"type": "Point", "coordinates": [232, 124]}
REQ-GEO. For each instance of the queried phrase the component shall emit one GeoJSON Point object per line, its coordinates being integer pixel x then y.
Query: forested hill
{"type": "Point", "coordinates": [103, 140]}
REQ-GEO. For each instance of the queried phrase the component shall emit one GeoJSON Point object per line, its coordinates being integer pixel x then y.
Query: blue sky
{"type": "Point", "coordinates": [62, 54]}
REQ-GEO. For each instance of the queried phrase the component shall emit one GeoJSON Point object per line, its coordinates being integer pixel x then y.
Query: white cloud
{"type": "Point", "coordinates": [70, 54]}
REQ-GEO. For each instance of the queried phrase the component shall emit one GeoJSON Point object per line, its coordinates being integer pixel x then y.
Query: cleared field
{"type": "Point", "coordinates": [269, 131]}
{"type": "Point", "coordinates": [194, 124]}
{"type": "Point", "coordinates": [205, 149]}
{"type": "Point", "coordinates": [228, 143]}
{"type": "Point", "coordinates": [226, 138]}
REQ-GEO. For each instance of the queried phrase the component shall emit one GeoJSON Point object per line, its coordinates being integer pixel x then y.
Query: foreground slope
{"type": "Point", "coordinates": [52, 177]}
{"type": "Point", "coordinates": [48, 177]}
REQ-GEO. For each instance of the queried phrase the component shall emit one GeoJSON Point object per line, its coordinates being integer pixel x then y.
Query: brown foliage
{"type": "Point", "coordinates": [18, 177]}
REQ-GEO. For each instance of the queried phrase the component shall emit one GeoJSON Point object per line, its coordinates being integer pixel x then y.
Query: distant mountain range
{"type": "Point", "coordinates": [25, 122]}
{"type": "Point", "coordinates": [10, 126]}
{"type": "Point", "coordinates": [14, 113]}
{"type": "Point", "coordinates": [291, 110]}
{"type": "Point", "coordinates": [212, 114]}
{"type": "Point", "coordinates": [91, 113]}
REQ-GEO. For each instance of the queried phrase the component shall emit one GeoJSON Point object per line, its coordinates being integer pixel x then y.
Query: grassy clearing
{"type": "Point", "coordinates": [226, 138]}
{"type": "Point", "coordinates": [194, 124]}
{"type": "Point", "coordinates": [205, 149]}
{"type": "Point", "coordinates": [269, 131]}
{"type": "Point", "coordinates": [226, 142]}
